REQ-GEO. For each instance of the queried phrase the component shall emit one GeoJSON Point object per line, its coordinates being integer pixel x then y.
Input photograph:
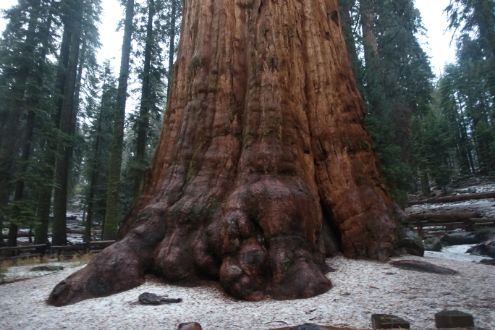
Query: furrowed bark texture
{"type": "Point", "coordinates": [263, 154]}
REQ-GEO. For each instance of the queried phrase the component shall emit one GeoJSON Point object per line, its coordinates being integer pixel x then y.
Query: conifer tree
{"type": "Point", "coordinates": [112, 212]}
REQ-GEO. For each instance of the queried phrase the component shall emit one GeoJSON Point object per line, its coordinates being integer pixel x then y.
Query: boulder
{"type": "Point", "coordinates": [190, 326]}
{"type": "Point", "coordinates": [490, 262]}
{"type": "Point", "coordinates": [387, 321]}
{"type": "Point", "coordinates": [432, 244]}
{"type": "Point", "coordinates": [147, 298]}
{"type": "Point", "coordinates": [484, 249]}
{"type": "Point", "coordinates": [460, 238]}
{"type": "Point", "coordinates": [454, 320]}
{"type": "Point", "coordinates": [422, 266]}
{"type": "Point", "coordinates": [410, 242]}
{"type": "Point", "coordinates": [485, 234]}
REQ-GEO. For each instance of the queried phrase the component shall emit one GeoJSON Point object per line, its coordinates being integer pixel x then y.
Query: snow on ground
{"type": "Point", "coordinates": [18, 273]}
{"type": "Point", "coordinates": [479, 188]}
{"type": "Point", "coordinates": [360, 289]}
{"type": "Point", "coordinates": [457, 253]}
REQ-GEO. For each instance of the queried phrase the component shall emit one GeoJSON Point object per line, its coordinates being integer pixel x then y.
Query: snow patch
{"type": "Point", "coordinates": [457, 253]}
{"type": "Point", "coordinates": [361, 288]}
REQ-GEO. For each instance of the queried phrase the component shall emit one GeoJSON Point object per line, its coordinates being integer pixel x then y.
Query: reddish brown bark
{"type": "Point", "coordinates": [262, 154]}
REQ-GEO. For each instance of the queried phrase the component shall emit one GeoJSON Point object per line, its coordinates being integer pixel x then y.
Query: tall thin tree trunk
{"type": "Point", "coordinates": [263, 152]}
{"type": "Point", "coordinates": [93, 180]}
{"type": "Point", "coordinates": [374, 91]}
{"type": "Point", "coordinates": [113, 189]}
{"type": "Point", "coordinates": [45, 192]}
{"type": "Point", "coordinates": [64, 149]}
{"type": "Point", "coordinates": [144, 110]}
{"type": "Point", "coordinates": [8, 142]}
{"type": "Point", "coordinates": [369, 38]}
{"type": "Point", "coordinates": [171, 50]}
{"type": "Point", "coordinates": [347, 25]}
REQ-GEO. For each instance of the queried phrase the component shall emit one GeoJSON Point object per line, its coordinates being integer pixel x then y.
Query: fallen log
{"type": "Point", "coordinates": [443, 217]}
{"type": "Point", "coordinates": [455, 198]}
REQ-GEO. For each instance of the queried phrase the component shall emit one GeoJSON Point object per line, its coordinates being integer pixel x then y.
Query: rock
{"type": "Point", "coordinates": [422, 266]}
{"type": "Point", "coordinates": [485, 234]}
{"type": "Point", "coordinates": [433, 244]}
{"type": "Point", "coordinates": [190, 326]}
{"type": "Point", "coordinates": [488, 262]}
{"type": "Point", "coordinates": [47, 268]}
{"type": "Point", "coordinates": [410, 242]}
{"type": "Point", "coordinates": [147, 298]}
{"type": "Point", "coordinates": [453, 320]}
{"type": "Point", "coordinates": [460, 238]}
{"type": "Point", "coordinates": [386, 321]}
{"type": "Point", "coordinates": [486, 248]}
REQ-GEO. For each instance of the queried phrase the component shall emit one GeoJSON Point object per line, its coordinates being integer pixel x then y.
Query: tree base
{"type": "Point", "coordinates": [284, 271]}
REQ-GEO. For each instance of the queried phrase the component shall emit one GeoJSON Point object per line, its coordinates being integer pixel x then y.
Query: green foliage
{"type": "Point", "coordinates": [433, 143]}
{"type": "Point", "coordinates": [98, 137]}
{"type": "Point", "coordinates": [396, 81]}
{"type": "Point", "coordinates": [155, 26]}
{"type": "Point", "coordinates": [468, 87]}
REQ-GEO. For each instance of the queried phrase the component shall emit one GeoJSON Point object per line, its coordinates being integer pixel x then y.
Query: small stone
{"type": "Point", "coordinates": [306, 326]}
{"type": "Point", "coordinates": [190, 326]}
{"type": "Point", "coordinates": [453, 319]}
{"type": "Point", "coordinates": [422, 266]}
{"type": "Point", "coordinates": [147, 298]}
{"type": "Point", "coordinates": [386, 321]}
{"type": "Point", "coordinates": [47, 268]}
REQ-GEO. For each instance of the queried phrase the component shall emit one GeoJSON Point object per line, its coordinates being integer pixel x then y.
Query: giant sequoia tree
{"type": "Point", "coordinates": [263, 161]}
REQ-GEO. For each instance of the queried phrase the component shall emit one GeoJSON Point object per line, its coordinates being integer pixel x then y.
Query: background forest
{"type": "Point", "coordinates": [67, 143]}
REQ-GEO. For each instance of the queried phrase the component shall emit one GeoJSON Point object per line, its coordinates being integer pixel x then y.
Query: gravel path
{"type": "Point", "coordinates": [360, 289]}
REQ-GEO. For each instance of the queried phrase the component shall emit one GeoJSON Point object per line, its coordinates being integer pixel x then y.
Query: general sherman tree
{"type": "Point", "coordinates": [263, 166]}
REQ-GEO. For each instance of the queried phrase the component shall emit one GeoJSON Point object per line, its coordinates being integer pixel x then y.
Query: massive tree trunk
{"type": "Point", "coordinates": [263, 154]}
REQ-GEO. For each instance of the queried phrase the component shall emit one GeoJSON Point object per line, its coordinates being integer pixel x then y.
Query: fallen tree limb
{"type": "Point", "coordinates": [455, 198]}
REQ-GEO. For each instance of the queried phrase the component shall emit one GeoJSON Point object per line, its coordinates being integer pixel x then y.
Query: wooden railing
{"type": "Point", "coordinates": [41, 250]}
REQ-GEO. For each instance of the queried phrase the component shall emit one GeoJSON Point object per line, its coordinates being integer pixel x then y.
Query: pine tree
{"type": "Point", "coordinates": [151, 45]}
{"type": "Point", "coordinates": [99, 138]}
{"type": "Point", "coordinates": [113, 190]}
{"type": "Point", "coordinates": [397, 84]}
{"type": "Point", "coordinates": [72, 25]}
{"type": "Point", "coordinates": [26, 44]}
{"type": "Point", "coordinates": [77, 19]}
{"type": "Point", "coordinates": [475, 78]}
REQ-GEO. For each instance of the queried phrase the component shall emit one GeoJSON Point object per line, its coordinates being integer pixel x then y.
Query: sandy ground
{"type": "Point", "coordinates": [361, 288]}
